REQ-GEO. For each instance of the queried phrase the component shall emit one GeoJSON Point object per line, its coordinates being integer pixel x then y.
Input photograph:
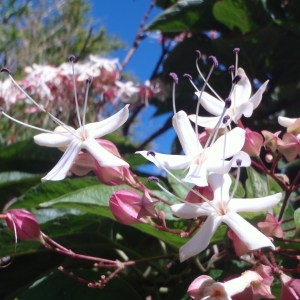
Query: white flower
{"type": "Point", "coordinates": [199, 160]}
{"type": "Point", "coordinates": [241, 102]}
{"type": "Point", "coordinates": [224, 209]}
{"type": "Point", "coordinates": [82, 138]}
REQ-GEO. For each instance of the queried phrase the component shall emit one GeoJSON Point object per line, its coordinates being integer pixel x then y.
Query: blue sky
{"type": "Point", "coordinates": [122, 18]}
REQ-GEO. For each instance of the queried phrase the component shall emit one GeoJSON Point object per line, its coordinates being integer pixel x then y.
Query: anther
{"type": "Point", "coordinates": [174, 77]}
{"type": "Point", "coordinates": [236, 79]}
{"type": "Point", "coordinates": [89, 80]}
{"type": "Point", "coordinates": [188, 76]}
{"type": "Point", "coordinates": [227, 102]}
{"type": "Point", "coordinates": [214, 60]}
{"type": "Point", "coordinates": [5, 70]}
{"type": "Point", "coordinates": [153, 178]}
{"type": "Point", "coordinates": [226, 119]}
{"type": "Point", "coordinates": [236, 50]}
{"type": "Point", "coordinates": [231, 69]}
{"type": "Point", "coordinates": [72, 58]}
{"type": "Point", "coordinates": [198, 54]}
{"type": "Point", "coordinates": [238, 162]}
{"type": "Point", "coordinates": [151, 152]}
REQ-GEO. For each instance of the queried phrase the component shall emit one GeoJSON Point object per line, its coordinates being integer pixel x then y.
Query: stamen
{"type": "Point", "coordinates": [175, 81]}
{"type": "Point", "coordinates": [199, 54]}
{"type": "Point", "coordinates": [203, 78]}
{"type": "Point", "coordinates": [236, 51]}
{"type": "Point", "coordinates": [231, 71]}
{"type": "Point", "coordinates": [72, 59]}
{"type": "Point", "coordinates": [214, 60]}
{"type": "Point", "coordinates": [237, 179]}
{"type": "Point", "coordinates": [236, 79]}
{"type": "Point", "coordinates": [151, 152]}
{"type": "Point", "coordinates": [88, 84]}
{"type": "Point", "coordinates": [156, 180]}
{"type": "Point", "coordinates": [24, 124]}
{"type": "Point", "coordinates": [214, 65]}
{"type": "Point", "coordinates": [189, 77]}
{"type": "Point", "coordinates": [5, 70]}
{"type": "Point", "coordinates": [153, 178]}
{"type": "Point", "coordinates": [40, 107]}
{"type": "Point", "coordinates": [226, 119]}
{"type": "Point", "coordinates": [227, 102]}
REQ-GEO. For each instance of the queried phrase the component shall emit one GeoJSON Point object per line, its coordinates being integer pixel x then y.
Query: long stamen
{"type": "Point", "coordinates": [237, 179]}
{"type": "Point", "coordinates": [72, 59]}
{"type": "Point", "coordinates": [40, 107]}
{"type": "Point", "coordinates": [88, 84]}
{"type": "Point", "coordinates": [203, 78]}
{"type": "Point", "coordinates": [175, 81]}
{"type": "Point", "coordinates": [156, 180]}
{"type": "Point", "coordinates": [214, 65]}
{"type": "Point", "coordinates": [236, 51]}
{"type": "Point", "coordinates": [22, 123]}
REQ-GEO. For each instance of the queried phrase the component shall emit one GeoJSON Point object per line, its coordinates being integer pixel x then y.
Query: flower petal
{"type": "Point", "coordinates": [286, 122]}
{"type": "Point", "coordinates": [201, 239]}
{"type": "Point", "coordinates": [190, 210]}
{"type": "Point", "coordinates": [53, 139]}
{"type": "Point", "coordinates": [256, 98]}
{"type": "Point", "coordinates": [63, 166]}
{"type": "Point", "coordinates": [235, 140]}
{"type": "Point", "coordinates": [99, 129]}
{"type": "Point", "coordinates": [104, 157]}
{"type": "Point", "coordinates": [242, 90]}
{"type": "Point", "coordinates": [197, 175]}
{"type": "Point", "coordinates": [207, 122]}
{"type": "Point", "coordinates": [168, 161]}
{"type": "Point", "coordinates": [186, 134]}
{"type": "Point", "coordinates": [247, 233]}
{"type": "Point", "coordinates": [255, 204]}
{"type": "Point", "coordinates": [211, 103]}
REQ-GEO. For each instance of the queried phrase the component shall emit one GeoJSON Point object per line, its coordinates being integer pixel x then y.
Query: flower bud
{"type": "Point", "coordinates": [125, 208]}
{"type": "Point", "coordinates": [24, 224]}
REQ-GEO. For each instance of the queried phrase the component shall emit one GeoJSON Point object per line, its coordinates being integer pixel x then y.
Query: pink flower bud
{"type": "Point", "coordinates": [124, 205]}
{"type": "Point", "coordinates": [114, 175]}
{"type": "Point", "coordinates": [197, 289]}
{"type": "Point", "coordinates": [23, 224]}
{"type": "Point", "coordinates": [253, 142]}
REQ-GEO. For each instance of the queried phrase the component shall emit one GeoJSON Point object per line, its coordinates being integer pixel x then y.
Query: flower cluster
{"type": "Point", "coordinates": [208, 170]}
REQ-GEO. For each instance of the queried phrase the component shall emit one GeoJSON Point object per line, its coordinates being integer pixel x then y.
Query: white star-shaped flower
{"type": "Point", "coordinates": [201, 161]}
{"type": "Point", "coordinates": [242, 103]}
{"type": "Point", "coordinates": [224, 209]}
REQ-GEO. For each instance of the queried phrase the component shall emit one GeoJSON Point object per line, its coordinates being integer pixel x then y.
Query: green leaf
{"type": "Point", "coordinates": [184, 15]}
{"type": "Point", "coordinates": [233, 14]}
{"type": "Point", "coordinates": [297, 218]}
{"type": "Point", "coordinates": [256, 184]}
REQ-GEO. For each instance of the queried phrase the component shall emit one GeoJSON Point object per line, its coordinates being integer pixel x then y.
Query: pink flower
{"type": "Point", "coordinates": [289, 147]}
{"type": "Point", "coordinates": [239, 247]}
{"type": "Point", "coordinates": [23, 224]}
{"type": "Point", "coordinates": [271, 226]}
